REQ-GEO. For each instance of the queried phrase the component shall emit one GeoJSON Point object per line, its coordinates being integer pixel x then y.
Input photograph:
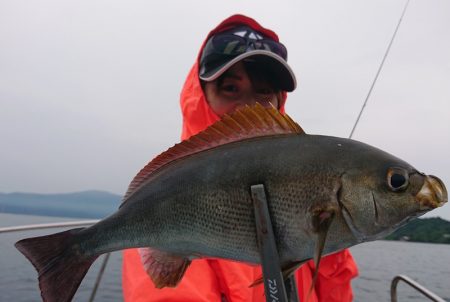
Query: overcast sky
{"type": "Point", "coordinates": [89, 89]}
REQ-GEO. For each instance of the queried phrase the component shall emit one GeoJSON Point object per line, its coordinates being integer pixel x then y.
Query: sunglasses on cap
{"type": "Point", "coordinates": [238, 41]}
{"type": "Point", "coordinates": [225, 49]}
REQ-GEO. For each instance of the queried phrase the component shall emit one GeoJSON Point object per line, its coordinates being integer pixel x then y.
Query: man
{"type": "Point", "coordinates": [239, 63]}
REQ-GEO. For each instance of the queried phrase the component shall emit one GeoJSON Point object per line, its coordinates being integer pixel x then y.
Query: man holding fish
{"type": "Point", "coordinates": [190, 207]}
{"type": "Point", "coordinates": [240, 63]}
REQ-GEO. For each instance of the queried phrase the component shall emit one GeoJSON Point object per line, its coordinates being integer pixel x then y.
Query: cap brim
{"type": "Point", "coordinates": [275, 63]}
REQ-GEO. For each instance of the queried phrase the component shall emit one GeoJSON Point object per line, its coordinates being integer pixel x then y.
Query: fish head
{"type": "Point", "coordinates": [375, 202]}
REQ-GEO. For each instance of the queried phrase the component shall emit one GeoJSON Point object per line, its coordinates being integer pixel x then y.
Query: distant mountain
{"type": "Point", "coordinates": [432, 230]}
{"type": "Point", "coordinates": [87, 204]}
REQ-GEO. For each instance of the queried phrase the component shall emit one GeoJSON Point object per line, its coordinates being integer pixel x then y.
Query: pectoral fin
{"type": "Point", "coordinates": [321, 221]}
{"type": "Point", "coordinates": [164, 269]}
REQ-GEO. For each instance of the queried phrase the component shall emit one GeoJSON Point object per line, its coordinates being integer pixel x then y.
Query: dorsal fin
{"type": "Point", "coordinates": [244, 123]}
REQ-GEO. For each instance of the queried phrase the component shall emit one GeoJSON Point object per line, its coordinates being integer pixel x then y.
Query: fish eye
{"type": "Point", "coordinates": [397, 179]}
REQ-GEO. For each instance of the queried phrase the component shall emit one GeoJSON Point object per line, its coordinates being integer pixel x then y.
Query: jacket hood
{"type": "Point", "coordinates": [197, 114]}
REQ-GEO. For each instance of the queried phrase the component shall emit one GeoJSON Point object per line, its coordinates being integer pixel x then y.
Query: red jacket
{"type": "Point", "coordinates": [215, 279]}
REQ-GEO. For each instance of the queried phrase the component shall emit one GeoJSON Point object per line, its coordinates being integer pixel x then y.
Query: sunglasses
{"type": "Point", "coordinates": [240, 40]}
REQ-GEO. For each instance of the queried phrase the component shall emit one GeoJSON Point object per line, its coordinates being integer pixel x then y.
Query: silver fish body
{"type": "Point", "coordinates": [200, 206]}
{"type": "Point", "coordinates": [324, 194]}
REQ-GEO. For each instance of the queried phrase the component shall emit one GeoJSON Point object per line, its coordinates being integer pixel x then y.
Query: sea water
{"type": "Point", "coordinates": [378, 263]}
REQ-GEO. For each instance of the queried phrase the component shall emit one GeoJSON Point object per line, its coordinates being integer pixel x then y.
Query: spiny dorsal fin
{"type": "Point", "coordinates": [247, 122]}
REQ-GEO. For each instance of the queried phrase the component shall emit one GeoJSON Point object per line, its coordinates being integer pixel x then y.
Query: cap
{"type": "Point", "coordinates": [225, 49]}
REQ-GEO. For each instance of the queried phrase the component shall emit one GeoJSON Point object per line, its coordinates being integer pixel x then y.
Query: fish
{"type": "Point", "coordinates": [194, 201]}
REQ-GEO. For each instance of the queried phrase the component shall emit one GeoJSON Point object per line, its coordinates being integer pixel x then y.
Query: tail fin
{"type": "Point", "coordinates": [60, 265]}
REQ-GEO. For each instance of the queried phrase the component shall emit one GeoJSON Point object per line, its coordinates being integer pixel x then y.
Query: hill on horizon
{"type": "Point", "coordinates": [85, 204]}
{"type": "Point", "coordinates": [431, 230]}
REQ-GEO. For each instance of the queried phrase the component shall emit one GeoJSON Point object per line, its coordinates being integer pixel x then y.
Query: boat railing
{"type": "Point", "coordinates": [39, 226]}
{"type": "Point", "coordinates": [420, 288]}
{"type": "Point", "coordinates": [32, 227]}
{"type": "Point", "coordinates": [427, 293]}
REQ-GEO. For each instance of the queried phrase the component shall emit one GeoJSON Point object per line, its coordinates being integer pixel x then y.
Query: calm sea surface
{"type": "Point", "coordinates": [378, 263]}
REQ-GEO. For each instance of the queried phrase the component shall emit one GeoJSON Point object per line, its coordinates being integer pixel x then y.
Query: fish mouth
{"type": "Point", "coordinates": [433, 194]}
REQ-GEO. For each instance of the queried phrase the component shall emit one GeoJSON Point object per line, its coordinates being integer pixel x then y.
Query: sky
{"type": "Point", "coordinates": [89, 90]}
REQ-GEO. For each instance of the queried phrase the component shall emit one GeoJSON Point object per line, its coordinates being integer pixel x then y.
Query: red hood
{"type": "Point", "coordinates": [197, 115]}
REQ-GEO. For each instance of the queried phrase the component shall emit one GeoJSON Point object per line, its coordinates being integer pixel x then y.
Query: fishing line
{"type": "Point", "coordinates": [379, 69]}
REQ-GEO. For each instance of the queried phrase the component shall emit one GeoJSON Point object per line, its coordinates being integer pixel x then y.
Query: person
{"type": "Point", "coordinates": [239, 63]}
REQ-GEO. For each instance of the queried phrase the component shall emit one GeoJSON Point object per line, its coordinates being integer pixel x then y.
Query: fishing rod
{"type": "Point", "coordinates": [379, 69]}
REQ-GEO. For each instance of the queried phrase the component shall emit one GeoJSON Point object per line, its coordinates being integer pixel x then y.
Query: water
{"type": "Point", "coordinates": [378, 263]}
{"type": "Point", "coordinates": [18, 278]}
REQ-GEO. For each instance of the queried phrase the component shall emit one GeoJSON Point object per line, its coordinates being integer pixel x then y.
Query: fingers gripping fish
{"type": "Point", "coordinates": [192, 201]}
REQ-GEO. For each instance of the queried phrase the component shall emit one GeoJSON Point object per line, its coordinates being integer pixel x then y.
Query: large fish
{"type": "Point", "coordinates": [193, 201]}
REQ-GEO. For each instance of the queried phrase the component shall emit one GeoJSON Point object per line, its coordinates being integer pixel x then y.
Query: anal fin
{"type": "Point", "coordinates": [165, 269]}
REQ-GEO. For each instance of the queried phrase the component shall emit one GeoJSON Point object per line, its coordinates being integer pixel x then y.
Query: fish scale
{"type": "Point", "coordinates": [185, 212]}
{"type": "Point", "coordinates": [236, 199]}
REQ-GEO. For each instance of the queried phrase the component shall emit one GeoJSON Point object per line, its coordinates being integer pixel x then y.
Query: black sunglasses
{"type": "Point", "coordinates": [240, 40]}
